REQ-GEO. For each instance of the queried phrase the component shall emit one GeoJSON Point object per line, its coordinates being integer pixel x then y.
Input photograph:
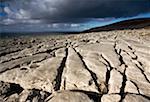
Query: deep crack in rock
{"type": "Point", "coordinates": [60, 71]}
{"type": "Point", "coordinates": [93, 75]}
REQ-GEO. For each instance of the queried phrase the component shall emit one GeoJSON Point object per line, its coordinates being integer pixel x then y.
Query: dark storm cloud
{"type": "Point", "coordinates": [104, 8]}
{"type": "Point", "coordinates": [52, 11]}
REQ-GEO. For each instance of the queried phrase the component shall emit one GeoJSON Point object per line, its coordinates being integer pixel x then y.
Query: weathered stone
{"type": "Point", "coordinates": [125, 46]}
{"type": "Point", "coordinates": [68, 96]}
{"type": "Point", "coordinates": [42, 77]}
{"type": "Point", "coordinates": [142, 48]}
{"type": "Point", "coordinates": [144, 87]}
{"type": "Point", "coordinates": [24, 95]}
{"type": "Point", "coordinates": [107, 50]}
{"type": "Point", "coordinates": [76, 75]}
{"type": "Point", "coordinates": [99, 66]}
{"type": "Point", "coordinates": [18, 62]}
{"type": "Point", "coordinates": [144, 59]}
{"type": "Point", "coordinates": [147, 75]}
{"type": "Point", "coordinates": [135, 98]}
{"type": "Point", "coordinates": [110, 98]}
{"type": "Point", "coordinates": [96, 66]}
{"type": "Point", "coordinates": [135, 74]}
{"type": "Point", "coordinates": [115, 82]}
{"type": "Point", "coordinates": [131, 88]}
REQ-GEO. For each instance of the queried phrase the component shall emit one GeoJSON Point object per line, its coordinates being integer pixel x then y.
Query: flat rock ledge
{"type": "Point", "coordinates": [92, 67]}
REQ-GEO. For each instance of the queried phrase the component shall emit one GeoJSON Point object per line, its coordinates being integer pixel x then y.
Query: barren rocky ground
{"type": "Point", "coordinates": [93, 67]}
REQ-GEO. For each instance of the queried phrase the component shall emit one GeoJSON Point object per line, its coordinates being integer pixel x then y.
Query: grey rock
{"type": "Point", "coordinates": [98, 66]}
{"type": "Point", "coordinates": [131, 88]}
{"type": "Point", "coordinates": [135, 98]}
{"type": "Point", "coordinates": [110, 98]}
{"type": "Point", "coordinates": [68, 96]}
{"type": "Point", "coordinates": [115, 82]}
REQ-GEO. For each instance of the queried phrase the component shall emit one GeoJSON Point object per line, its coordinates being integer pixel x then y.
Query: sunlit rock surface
{"type": "Point", "coordinates": [92, 67]}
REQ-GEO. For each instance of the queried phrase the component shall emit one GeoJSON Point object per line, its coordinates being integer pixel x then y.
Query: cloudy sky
{"type": "Point", "coordinates": [67, 15]}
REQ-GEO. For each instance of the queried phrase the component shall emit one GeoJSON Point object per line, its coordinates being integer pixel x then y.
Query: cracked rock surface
{"type": "Point", "coordinates": [109, 66]}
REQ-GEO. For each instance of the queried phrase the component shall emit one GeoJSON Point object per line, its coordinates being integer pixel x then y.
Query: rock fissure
{"type": "Point", "coordinates": [12, 59]}
{"type": "Point", "coordinates": [136, 86]}
{"type": "Point", "coordinates": [143, 73]}
{"type": "Point", "coordinates": [119, 54]}
{"type": "Point", "coordinates": [109, 68]}
{"type": "Point", "coordinates": [60, 71]}
{"type": "Point", "coordinates": [93, 75]}
{"type": "Point", "coordinates": [122, 89]}
{"type": "Point", "coordinates": [9, 52]}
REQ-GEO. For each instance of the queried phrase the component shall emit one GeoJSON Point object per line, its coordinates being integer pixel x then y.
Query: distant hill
{"type": "Point", "coordinates": [122, 25]}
